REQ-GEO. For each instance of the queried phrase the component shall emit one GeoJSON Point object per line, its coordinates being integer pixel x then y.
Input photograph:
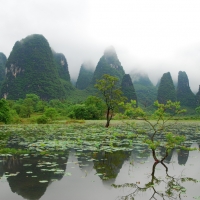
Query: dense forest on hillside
{"type": "Point", "coordinates": [31, 69]}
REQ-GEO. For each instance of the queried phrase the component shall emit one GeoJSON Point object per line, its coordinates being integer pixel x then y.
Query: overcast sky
{"type": "Point", "coordinates": [155, 36]}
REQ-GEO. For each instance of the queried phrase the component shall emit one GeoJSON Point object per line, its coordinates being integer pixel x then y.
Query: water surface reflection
{"type": "Point", "coordinates": [88, 175]}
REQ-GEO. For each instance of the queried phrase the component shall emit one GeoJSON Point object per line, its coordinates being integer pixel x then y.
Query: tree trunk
{"type": "Point", "coordinates": [108, 118]}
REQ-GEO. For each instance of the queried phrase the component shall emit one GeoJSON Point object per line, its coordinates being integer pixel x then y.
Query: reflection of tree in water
{"type": "Point", "coordinates": [172, 190]}
{"type": "Point", "coordinates": [163, 152]}
{"type": "Point", "coordinates": [109, 163]}
{"type": "Point", "coordinates": [182, 155]}
{"type": "Point", "coordinates": [31, 170]}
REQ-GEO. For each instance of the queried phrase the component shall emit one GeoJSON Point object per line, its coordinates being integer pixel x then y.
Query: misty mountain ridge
{"type": "Point", "coordinates": [145, 90]}
{"type": "Point", "coordinates": [85, 75]}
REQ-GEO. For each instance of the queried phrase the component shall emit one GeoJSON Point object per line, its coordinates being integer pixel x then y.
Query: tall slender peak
{"type": "Point", "coordinates": [85, 75]}
{"type": "Point", "coordinates": [62, 66]}
{"type": "Point", "coordinates": [166, 89]}
{"type": "Point", "coordinates": [183, 81]}
{"type": "Point", "coordinates": [108, 64]}
{"type": "Point", "coordinates": [184, 93]}
{"type": "Point", "coordinates": [128, 88]}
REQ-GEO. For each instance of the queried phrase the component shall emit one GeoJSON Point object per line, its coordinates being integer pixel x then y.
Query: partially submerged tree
{"type": "Point", "coordinates": [111, 93]}
{"type": "Point", "coordinates": [158, 138]}
{"type": "Point", "coordinates": [159, 135]}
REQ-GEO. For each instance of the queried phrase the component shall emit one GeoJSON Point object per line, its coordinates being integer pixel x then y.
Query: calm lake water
{"type": "Point", "coordinates": [85, 175]}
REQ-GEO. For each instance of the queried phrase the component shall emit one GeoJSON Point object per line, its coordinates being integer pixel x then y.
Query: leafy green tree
{"type": "Point", "coordinates": [96, 102]}
{"type": "Point", "coordinates": [4, 111]}
{"type": "Point", "coordinates": [40, 106]}
{"type": "Point", "coordinates": [33, 98]}
{"type": "Point", "coordinates": [27, 107]}
{"type": "Point", "coordinates": [159, 136]}
{"type": "Point", "coordinates": [131, 110]}
{"type": "Point", "coordinates": [56, 103]}
{"type": "Point", "coordinates": [17, 108]}
{"type": "Point", "coordinates": [111, 93]}
{"type": "Point", "coordinates": [51, 113]}
{"type": "Point", "coordinates": [14, 117]}
{"type": "Point", "coordinates": [87, 112]}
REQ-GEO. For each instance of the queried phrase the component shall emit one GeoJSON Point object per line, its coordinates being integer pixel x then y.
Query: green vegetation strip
{"type": "Point", "coordinates": [51, 139]}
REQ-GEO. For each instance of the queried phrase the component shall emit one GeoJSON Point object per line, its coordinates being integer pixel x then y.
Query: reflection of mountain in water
{"type": "Point", "coordinates": [183, 157]}
{"type": "Point", "coordinates": [109, 163]}
{"type": "Point", "coordinates": [30, 171]}
{"type": "Point", "coordinates": [85, 160]}
{"type": "Point", "coordinates": [140, 153]}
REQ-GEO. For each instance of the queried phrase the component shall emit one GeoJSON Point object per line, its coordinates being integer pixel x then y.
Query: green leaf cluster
{"type": "Point", "coordinates": [111, 94]}
{"type": "Point", "coordinates": [4, 111]}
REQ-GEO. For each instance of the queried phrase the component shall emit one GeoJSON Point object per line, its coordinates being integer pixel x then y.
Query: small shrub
{"type": "Point", "coordinates": [15, 119]}
{"type": "Point", "coordinates": [42, 120]}
{"type": "Point", "coordinates": [75, 121]}
{"type": "Point", "coordinates": [120, 116]}
{"type": "Point", "coordinates": [51, 113]}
